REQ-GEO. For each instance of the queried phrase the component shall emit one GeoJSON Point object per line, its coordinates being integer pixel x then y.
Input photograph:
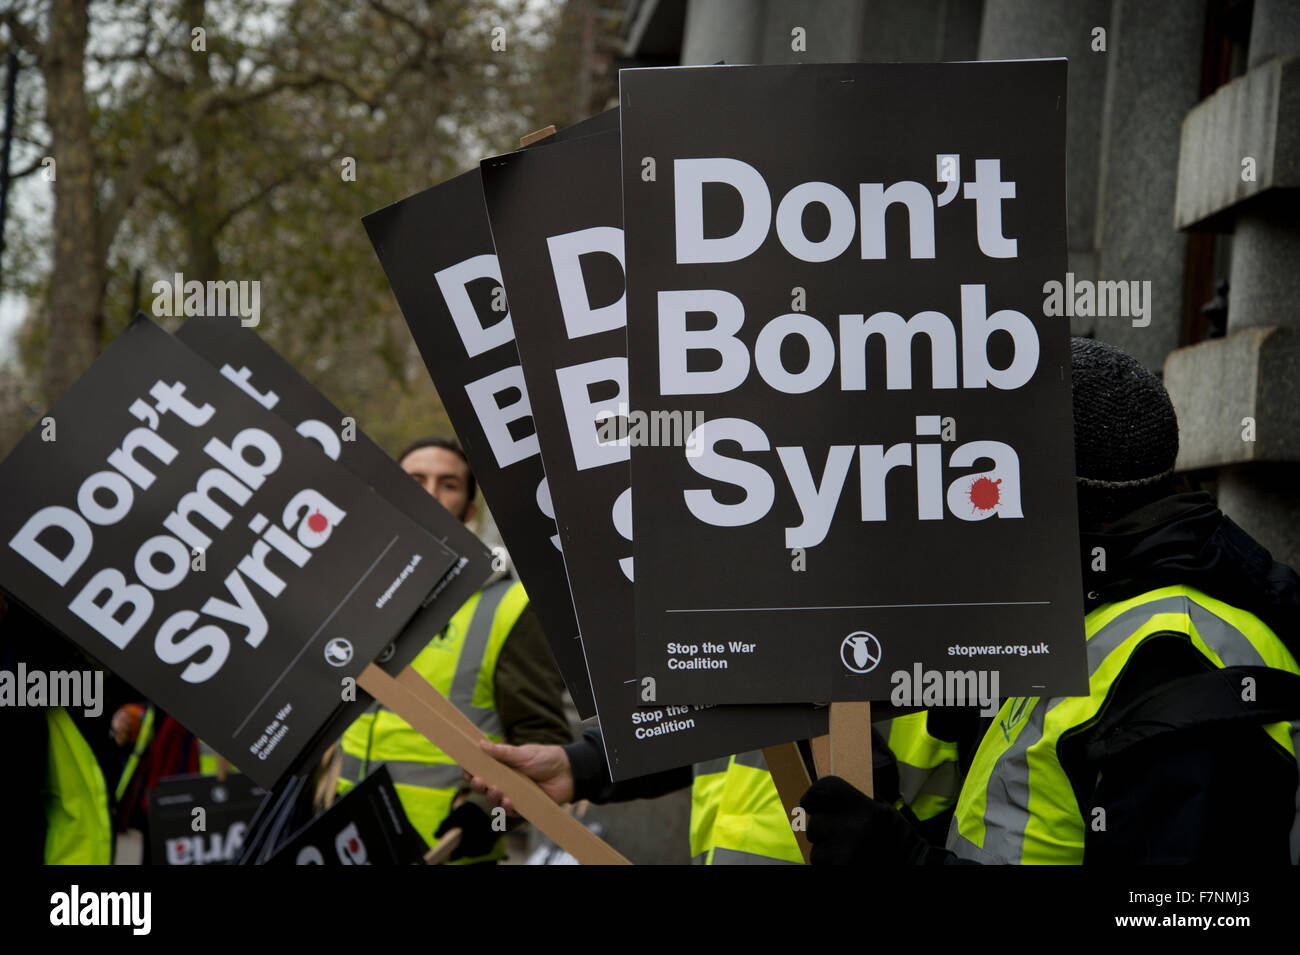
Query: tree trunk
{"type": "Point", "coordinates": [77, 279]}
{"type": "Point", "coordinates": [202, 212]}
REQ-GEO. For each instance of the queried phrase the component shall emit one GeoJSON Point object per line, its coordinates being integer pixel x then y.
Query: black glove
{"type": "Point", "coordinates": [477, 837]}
{"type": "Point", "coordinates": [848, 827]}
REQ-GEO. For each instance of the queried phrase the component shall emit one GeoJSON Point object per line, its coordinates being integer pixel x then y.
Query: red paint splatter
{"type": "Point", "coordinates": [984, 493]}
{"type": "Point", "coordinates": [317, 523]}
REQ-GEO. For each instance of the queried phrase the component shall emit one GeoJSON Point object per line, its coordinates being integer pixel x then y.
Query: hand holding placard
{"type": "Point", "coordinates": [413, 699]}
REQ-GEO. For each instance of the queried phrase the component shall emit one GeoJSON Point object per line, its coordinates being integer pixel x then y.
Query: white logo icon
{"type": "Point", "coordinates": [860, 652]}
{"type": "Point", "coordinates": [338, 652]}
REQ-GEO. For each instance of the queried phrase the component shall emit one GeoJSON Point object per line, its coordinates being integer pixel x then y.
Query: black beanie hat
{"type": "Point", "coordinates": [1125, 432]}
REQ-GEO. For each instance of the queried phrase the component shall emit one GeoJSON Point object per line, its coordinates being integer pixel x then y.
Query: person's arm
{"type": "Point", "coordinates": [591, 775]}
{"type": "Point", "coordinates": [529, 692]}
{"type": "Point", "coordinates": [576, 771]}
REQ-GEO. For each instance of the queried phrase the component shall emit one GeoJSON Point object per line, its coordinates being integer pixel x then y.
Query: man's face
{"type": "Point", "coordinates": [445, 475]}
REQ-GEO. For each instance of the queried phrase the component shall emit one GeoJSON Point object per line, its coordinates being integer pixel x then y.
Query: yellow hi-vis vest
{"type": "Point", "coordinates": [928, 776]}
{"type": "Point", "coordinates": [210, 761]}
{"type": "Point", "coordinates": [143, 739]}
{"type": "Point", "coordinates": [736, 814]}
{"type": "Point", "coordinates": [78, 830]}
{"type": "Point", "coordinates": [460, 664]}
{"type": "Point", "coordinates": [1017, 805]}
{"type": "Point", "coordinates": [737, 817]}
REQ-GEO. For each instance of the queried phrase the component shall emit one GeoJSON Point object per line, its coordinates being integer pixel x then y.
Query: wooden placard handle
{"type": "Point", "coordinates": [536, 135]}
{"type": "Point", "coordinates": [791, 778]}
{"type": "Point", "coordinates": [328, 784]}
{"type": "Point", "coordinates": [443, 848]}
{"type": "Point", "coordinates": [821, 750]}
{"type": "Point", "coordinates": [850, 744]}
{"type": "Point", "coordinates": [411, 697]}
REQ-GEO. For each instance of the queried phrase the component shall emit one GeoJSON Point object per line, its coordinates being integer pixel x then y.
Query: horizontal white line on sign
{"type": "Point", "coordinates": [989, 603]}
{"type": "Point", "coordinates": [324, 624]}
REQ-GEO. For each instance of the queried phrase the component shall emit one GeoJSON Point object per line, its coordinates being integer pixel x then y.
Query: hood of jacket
{"type": "Point", "coordinates": [1185, 539]}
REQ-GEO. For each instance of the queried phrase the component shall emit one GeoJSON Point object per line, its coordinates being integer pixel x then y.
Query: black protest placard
{"type": "Point", "coordinates": [840, 268]}
{"type": "Point", "coordinates": [201, 820]}
{"type": "Point", "coordinates": [245, 359]}
{"type": "Point", "coordinates": [193, 543]}
{"type": "Point", "coordinates": [364, 827]}
{"type": "Point", "coordinates": [556, 214]}
{"type": "Point", "coordinates": [436, 249]}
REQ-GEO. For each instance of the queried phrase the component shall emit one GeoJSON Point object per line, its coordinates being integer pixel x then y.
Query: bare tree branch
{"type": "Point", "coordinates": [160, 184]}
{"type": "Point", "coordinates": [128, 182]}
{"type": "Point", "coordinates": [36, 164]}
{"type": "Point", "coordinates": [260, 194]}
{"type": "Point", "coordinates": [402, 18]}
{"type": "Point", "coordinates": [129, 56]}
{"type": "Point", "coordinates": [175, 82]}
{"type": "Point", "coordinates": [23, 35]}
{"type": "Point", "coordinates": [214, 100]}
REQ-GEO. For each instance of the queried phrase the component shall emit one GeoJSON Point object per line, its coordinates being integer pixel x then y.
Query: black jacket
{"type": "Point", "coordinates": [1174, 768]}
{"type": "Point", "coordinates": [1184, 539]}
{"type": "Point", "coordinates": [1200, 783]}
{"type": "Point", "coordinates": [25, 638]}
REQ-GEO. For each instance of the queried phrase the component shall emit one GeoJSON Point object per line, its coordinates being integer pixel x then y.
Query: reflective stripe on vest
{"type": "Point", "coordinates": [142, 740]}
{"type": "Point", "coordinates": [408, 773]}
{"type": "Point", "coordinates": [1018, 805]}
{"type": "Point", "coordinates": [472, 687]}
{"type": "Point", "coordinates": [77, 826]}
{"type": "Point", "coordinates": [736, 815]}
{"type": "Point", "coordinates": [460, 664]}
{"type": "Point", "coordinates": [928, 780]}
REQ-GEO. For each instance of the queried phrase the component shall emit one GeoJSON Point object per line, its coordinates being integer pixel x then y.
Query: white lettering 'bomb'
{"type": "Point", "coordinates": [729, 361]}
